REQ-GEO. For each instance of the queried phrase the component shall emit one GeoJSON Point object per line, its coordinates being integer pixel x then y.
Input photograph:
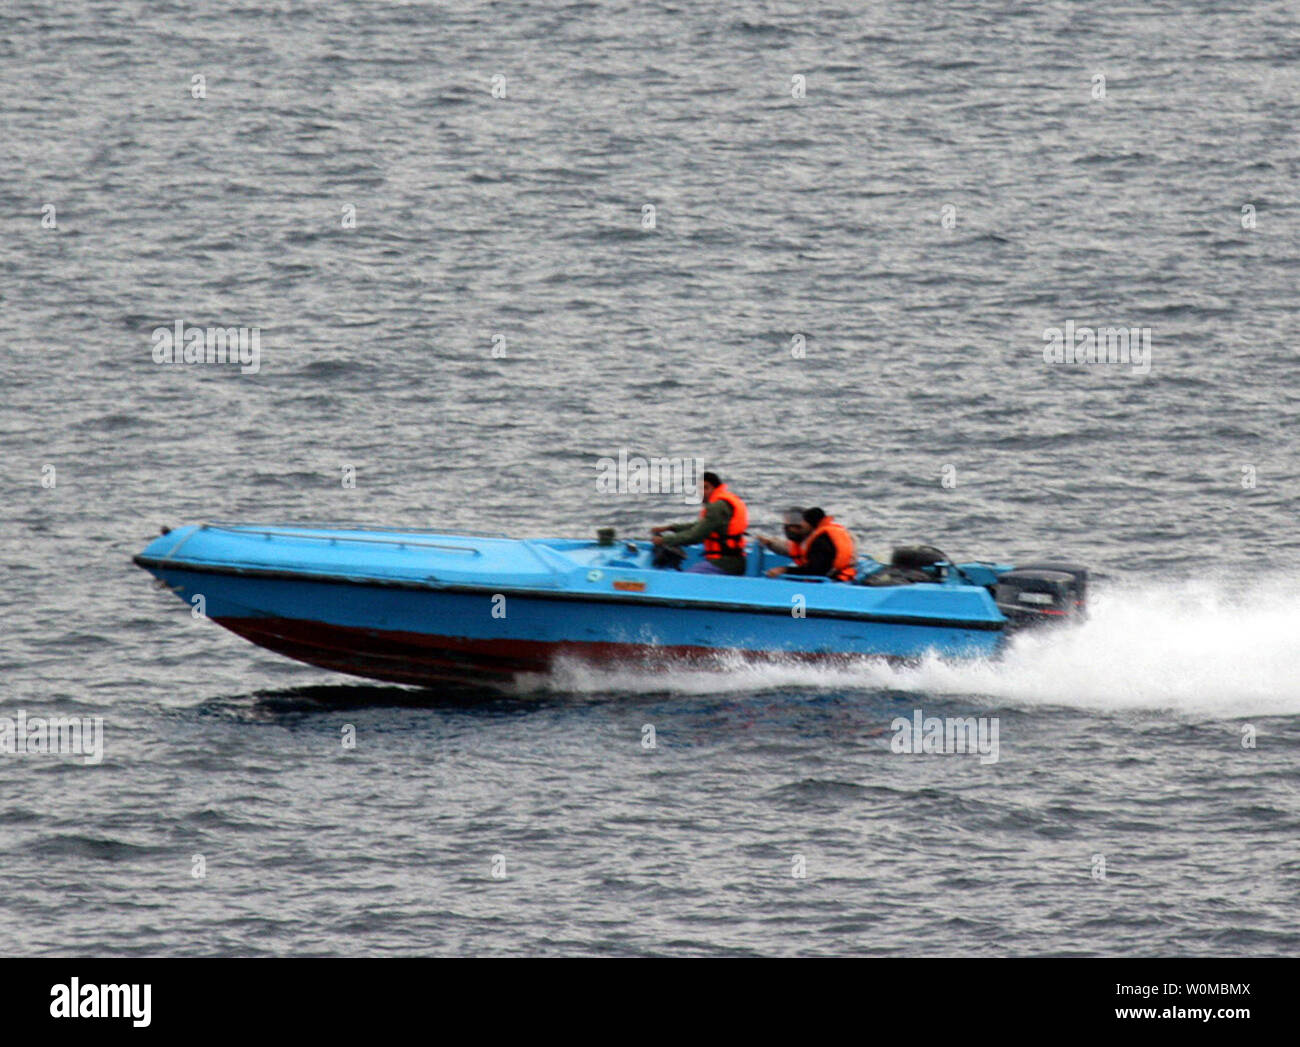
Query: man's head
{"type": "Point", "coordinates": [794, 525]}
{"type": "Point", "coordinates": [709, 483]}
{"type": "Point", "coordinates": [812, 517]}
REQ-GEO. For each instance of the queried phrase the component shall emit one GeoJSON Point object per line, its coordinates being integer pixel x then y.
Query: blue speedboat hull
{"type": "Point", "coordinates": [426, 608]}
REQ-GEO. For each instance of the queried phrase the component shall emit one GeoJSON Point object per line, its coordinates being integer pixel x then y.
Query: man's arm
{"type": "Point", "coordinates": [716, 515]}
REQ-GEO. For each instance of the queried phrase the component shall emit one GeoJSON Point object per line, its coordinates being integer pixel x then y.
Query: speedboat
{"type": "Point", "coordinates": [426, 608]}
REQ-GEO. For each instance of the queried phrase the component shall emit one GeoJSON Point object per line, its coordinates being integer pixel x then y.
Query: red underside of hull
{"type": "Point", "coordinates": [417, 658]}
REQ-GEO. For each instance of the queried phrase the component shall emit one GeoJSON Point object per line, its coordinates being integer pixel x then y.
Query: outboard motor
{"type": "Point", "coordinates": [1043, 593]}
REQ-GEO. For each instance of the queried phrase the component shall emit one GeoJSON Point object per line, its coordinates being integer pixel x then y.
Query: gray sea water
{"type": "Point", "coordinates": [819, 246]}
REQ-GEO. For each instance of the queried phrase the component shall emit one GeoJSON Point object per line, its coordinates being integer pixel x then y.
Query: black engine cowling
{"type": "Point", "coordinates": [1043, 593]}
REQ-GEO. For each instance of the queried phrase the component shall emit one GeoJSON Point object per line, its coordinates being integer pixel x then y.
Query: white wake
{"type": "Point", "coordinates": [1206, 648]}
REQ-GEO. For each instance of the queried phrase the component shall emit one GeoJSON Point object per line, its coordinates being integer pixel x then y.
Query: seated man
{"type": "Point", "coordinates": [828, 550]}
{"type": "Point", "coordinates": [721, 527]}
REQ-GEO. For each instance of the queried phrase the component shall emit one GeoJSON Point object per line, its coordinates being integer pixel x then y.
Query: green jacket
{"type": "Point", "coordinates": [717, 515]}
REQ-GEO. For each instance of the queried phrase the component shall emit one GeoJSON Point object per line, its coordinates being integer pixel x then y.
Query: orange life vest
{"type": "Point", "coordinates": [733, 542]}
{"type": "Point", "coordinates": [844, 568]}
